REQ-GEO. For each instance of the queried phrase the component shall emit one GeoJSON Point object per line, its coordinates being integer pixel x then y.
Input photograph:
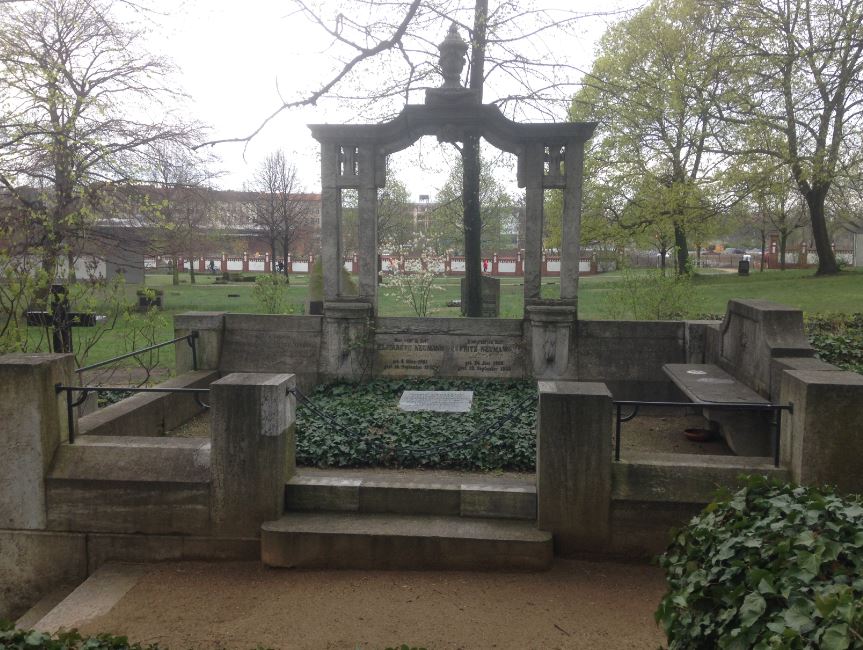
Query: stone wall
{"type": "Point", "coordinates": [627, 355]}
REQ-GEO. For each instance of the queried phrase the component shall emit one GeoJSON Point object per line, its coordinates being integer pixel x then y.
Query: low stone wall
{"type": "Point", "coordinates": [149, 414]}
{"type": "Point", "coordinates": [349, 344]}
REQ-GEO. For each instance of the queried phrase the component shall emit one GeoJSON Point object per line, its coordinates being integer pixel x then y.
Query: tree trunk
{"type": "Point", "coordinates": [681, 249]}
{"type": "Point", "coordinates": [191, 270]}
{"type": "Point", "coordinates": [471, 170]}
{"type": "Point", "coordinates": [273, 269]}
{"type": "Point", "coordinates": [662, 263]}
{"type": "Point", "coordinates": [783, 247]}
{"type": "Point", "coordinates": [286, 243]}
{"type": "Point", "coordinates": [763, 249]}
{"type": "Point", "coordinates": [826, 258]}
{"type": "Point", "coordinates": [472, 227]}
{"type": "Point", "coordinates": [175, 271]}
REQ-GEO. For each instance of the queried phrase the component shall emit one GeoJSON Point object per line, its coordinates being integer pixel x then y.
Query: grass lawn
{"type": "Point", "coordinates": [802, 289]}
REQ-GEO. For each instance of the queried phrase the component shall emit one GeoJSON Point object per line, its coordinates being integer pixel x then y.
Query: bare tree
{"type": "Point", "coordinates": [177, 204]}
{"type": "Point", "coordinates": [76, 99]}
{"type": "Point", "coordinates": [278, 207]}
{"type": "Point", "coordinates": [514, 56]}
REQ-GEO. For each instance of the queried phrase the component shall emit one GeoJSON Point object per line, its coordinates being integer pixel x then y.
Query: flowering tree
{"type": "Point", "coordinates": [414, 278]}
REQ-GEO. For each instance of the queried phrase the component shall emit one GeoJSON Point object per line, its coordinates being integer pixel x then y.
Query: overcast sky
{"type": "Point", "coordinates": [234, 58]}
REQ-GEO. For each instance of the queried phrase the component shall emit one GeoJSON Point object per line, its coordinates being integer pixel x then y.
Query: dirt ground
{"type": "Point", "coordinates": [243, 605]}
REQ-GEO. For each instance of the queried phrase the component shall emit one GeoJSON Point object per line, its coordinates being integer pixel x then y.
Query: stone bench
{"type": "Point", "coordinates": [747, 433]}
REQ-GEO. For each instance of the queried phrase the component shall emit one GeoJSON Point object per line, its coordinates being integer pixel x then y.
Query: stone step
{"type": "Point", "coordinates": [412, 495]}
{"type": "Point", "coordinates": [386, 541]}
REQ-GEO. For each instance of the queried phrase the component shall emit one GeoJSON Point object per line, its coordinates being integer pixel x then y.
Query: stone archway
{"type": "Point", "coordinates": [550, 156]}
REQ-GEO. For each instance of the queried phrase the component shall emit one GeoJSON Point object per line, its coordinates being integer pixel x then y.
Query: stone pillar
{"type": "Point", "coordinates": [347, 345]}
{"type": "Point", "coordinates": [822, 440]}
{"type": "Point", "coordinates": [210, 326]}
{"type": "Point", "coordinates": [552, 341]}
{"type": "Point", "coordinates": [570, 246]}
{"type": "Point", "coordinates": [533, 165]}
{"type": "Point", "coordinates": [253, 450]}
{"type": "Point", "coordinates": [331, 226]}
{"type": "Point", "coordinates": [34, 423]}
{"type": "Point", "coordinates": [573, 465]}
{"type": "Point", "coordinates": [367, 196]}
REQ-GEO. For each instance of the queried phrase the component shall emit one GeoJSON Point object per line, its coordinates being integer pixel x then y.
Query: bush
{"type": "Point", "coordinates": [652, 295]}
{"type": "Point", "coordinates": [771, 566]}
{"type": "Point", "coordinates": [33, 640]}
{"type": "Point", "coordinates": [271, 294]}
{"type": "Point", "coordinates": [838, 339]}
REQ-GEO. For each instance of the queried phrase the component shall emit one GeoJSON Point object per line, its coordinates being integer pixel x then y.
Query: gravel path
{"type": "Point", "coordinates": [576, 605]}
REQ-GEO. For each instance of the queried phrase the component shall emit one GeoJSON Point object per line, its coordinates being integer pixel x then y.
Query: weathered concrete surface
{"type": "Point", "coordinates": [449, 347]}
{"type": "Point", "coordinates": [553, 350]}
{"type": "Point", "coordinates": [641, 530]}
{"type": "Point", "coordinates": [210, 326]}
{"type": "Point", "coordinates": [150, 414]}
{"type": "Point", "coordinates": [683, 478]}
{"type": "Point", "coordinates": [252, 429]}
{"type": "Point", "coordinates": [628, 356]}
{"type": "Point", "coordinates": [752, 334]}
{"type": "Point", "coordinates": [33, 417]}
{"type": "Point", "coordinates": [377, 541]}
{"type": "Point", "coordinates": [94, 598]}
{"type": "Point", "coordinates": [347, 346]}
{"type": "Point", "coordinates": [573, 465]}
{"type": "Point", "coordinates": [504, 499]}
{"type": "Point", "coordinates": [271, 343]}
{"type": "Point", "coordinates": [103, 548]}
{"type": "Point", "coordinates": [32, 563]}
{"type": "Point", "coordinates": [822, 441]}
{"type": "Point", "coordinates": [131, 485]}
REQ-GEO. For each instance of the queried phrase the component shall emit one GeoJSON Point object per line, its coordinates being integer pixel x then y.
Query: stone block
{"type": "Point", "coordinates": [683, 478]}
{"type": "Point", "coordinates": [34, 422]}
{"type": "Point", "coordinates": [490, 296]}
{"type": "Point", "coordinates": [210, 326]}
{"type": "Point", "coordinates": [273, 343]}
{"type": "Point", "coordinates": [498, 502]}
{"type": "Point", "coordinates": [347, 349]}
{"type": "Point", "coordinates": [753, 333]}
{"type": "Point", "coordinates": [406, 498]}
{"type": "Point", "coordinates": [573, 462]}
{"type": "Point", "coordinates": [553, 349]}
{"type": "Point", "coordinates": [104, 548]}
{"type": "Point", "coordinates": [822, 440]}
{"type": "Point", "coordinates": [149, 414]}
{"type": "Point", "coordinates": [32, 563]}
{"type": "Point", "coordinates": [628, 351]}
{"type": "Point", "coordinates": [325, 493]}
{"type": "Point", "coordinates": [252, 429]}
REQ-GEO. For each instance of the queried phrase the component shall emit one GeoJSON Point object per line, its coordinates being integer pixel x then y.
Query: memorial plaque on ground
{"type": "Point", "coordinates": [442, 401]}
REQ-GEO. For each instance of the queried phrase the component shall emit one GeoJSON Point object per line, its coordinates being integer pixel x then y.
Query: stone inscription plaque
{"type": "Point", "coordinates": [491, 357]}
{"type": "Point", "coordinates": [441, 401]}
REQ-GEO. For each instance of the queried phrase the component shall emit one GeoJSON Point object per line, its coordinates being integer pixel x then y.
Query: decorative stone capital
{"type": "Point", "coordinates": [452, 51]}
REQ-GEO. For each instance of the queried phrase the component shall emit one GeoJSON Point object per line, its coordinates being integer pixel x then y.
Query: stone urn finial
{"type": "Point", "coordinates": [452, 52]}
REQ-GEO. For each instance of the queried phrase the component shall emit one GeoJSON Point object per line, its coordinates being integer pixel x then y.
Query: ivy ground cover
{"type": "Point", "coordinates": [363, 427]}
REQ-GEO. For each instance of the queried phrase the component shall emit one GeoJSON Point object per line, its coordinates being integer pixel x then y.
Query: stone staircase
{"type": "Point", "coordinates": [407, 520]}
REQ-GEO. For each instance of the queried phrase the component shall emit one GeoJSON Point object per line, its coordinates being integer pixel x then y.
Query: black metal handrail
{"type": "Point", "coordinates": [776, 409]}
{"type": "Point", "coordinates": [85, 390]}
{"type": "Point", "coordinates": [189, 338]}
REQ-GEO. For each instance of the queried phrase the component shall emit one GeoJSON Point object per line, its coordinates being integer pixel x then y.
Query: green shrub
{"type": "Point", "coordinates": [652, 295]}
{"type": "Point", "coordinates": [770, 566]}
{"type": "Point", "coordinates": [271, 294]}
{"type": "Point", "coordinates": [838, 339]}
{"type": "Point", "coordinates": [32, 640]}
{"type": "Point", "coordinates": [374, 432]}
